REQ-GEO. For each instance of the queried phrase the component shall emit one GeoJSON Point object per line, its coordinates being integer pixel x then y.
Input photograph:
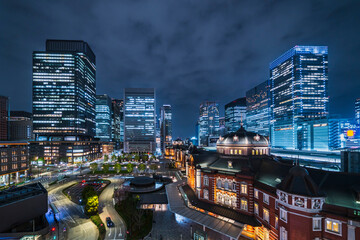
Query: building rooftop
{"type": "Point", "coordinates": [20, 193]}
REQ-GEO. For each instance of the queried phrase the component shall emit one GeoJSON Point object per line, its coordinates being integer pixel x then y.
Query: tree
{"type": "Point", "coordinates": [153, 167]}
{"type": "Point", "coordinates": [113, 158]}
{"type": "Point", "coordinates": [119, 158]}
{"type": "Point", "coordinates": [92, 205]}
{"type": "Point", "coordinates": [137, 157]}
{"type": "Point", "coordinates": [142, 167]}
{"type": "Point", "coordinates": [93, 167]}
{"type": "Point", "coordinates": [106, 158]}
{"type": "Point", "coordinates": [117, 167]}
{"type": "Point", "coordinates": [106, 167]}
{"type": "Point", "coordinates": [145, 157]}
{"type": "Point", "coordinates": [88, 191]}
{"type": "Point", "coordinates": [129, 167]}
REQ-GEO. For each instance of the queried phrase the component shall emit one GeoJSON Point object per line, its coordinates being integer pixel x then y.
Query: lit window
{"type": "Point", "coordinates": [266, 198]}
{"type": "Point", "coordinates": [256, 208]}
{"type": "Point", "coordinates": [206, 194]}
{"type": "Point", "coordinates": [243, 188]}
{"type": "Point", "coordinates": [235, 151]}
{"type": "Point", "coordinates": [316, 224]}
{"type": "Point", "coordinates": [233, 201]}
{"type": "Point", "coordinates": [276, 222]}
{"type": "Point", "coordinates": [256, 193]}
{"type": "Point", "coordinates": [253, 152]}
{"type": "Point", "coordinates": [333, 226]}
{"type": "Point", "coordinates": [244, 204]}
{"type": "Point", "coordinates": [283, 214]}
{"type": "Point", "coordinates": [206, 181]}
{"type": "Point", "coordinates": [266, 215]}
{"type": "Point", "coordinates": [231, 151]}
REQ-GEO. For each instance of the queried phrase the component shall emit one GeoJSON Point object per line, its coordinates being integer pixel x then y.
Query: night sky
{"type": "Point", "coordinates": [190, 51]}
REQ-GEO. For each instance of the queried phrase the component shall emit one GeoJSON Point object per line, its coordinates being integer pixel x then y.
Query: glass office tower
{"type": "Point", "coordinates": [64, 79]}
{"type": "Point", "coordinates": [299, 93]}
{"type": "Point", "coordinates": [235, 113]}
{"type": "Point", "coordinates": [208, 121]}
{"type": "Point", "coordinates": [258, 109]}
{"type": "Point", "coordinates": [139, 120]}
{"type": "Point", "coordinates": [165, 126]}
{"type": "Point", "coordinates": [117, 118]}
{"type": "Point", "coordinates": [103, 118]}
{"type": "Point", "coordinates": [357, 111]}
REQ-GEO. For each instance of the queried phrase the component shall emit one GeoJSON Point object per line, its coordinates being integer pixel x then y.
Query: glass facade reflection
{"type": "Point", "coordinates": [64, 79]}
{"type": "Point", "coordinates": [208, 121]}
{"type": "Point", "coordinates": [258, 109]}
{"type": "Point", "coordinates": [139, 120]}
{"type": "Point", "coordinates": [299, 92]}
{"type": "Point", "coordinates": [235, 113]}
{"type": "Point", "coordinates": [103, 118]}
{"type": "Point", "coordinates": [165, 126]}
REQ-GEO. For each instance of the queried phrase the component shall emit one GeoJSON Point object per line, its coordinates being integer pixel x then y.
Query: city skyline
{"type": "Point", "coordinates": [177, 65]}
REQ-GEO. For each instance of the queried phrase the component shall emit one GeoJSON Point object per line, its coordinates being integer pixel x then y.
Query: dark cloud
{"type": "Point", "coordinates": [189, 51]}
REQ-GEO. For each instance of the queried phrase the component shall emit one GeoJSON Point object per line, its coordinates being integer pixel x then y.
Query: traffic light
{"type": "Point", "coordinates": [53, 229]}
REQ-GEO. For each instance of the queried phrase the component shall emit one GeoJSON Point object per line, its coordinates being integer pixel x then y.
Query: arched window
{"type": "Point", "coordinates": [233, 201]}
{"type": "Point", "coordinates": [206, 180]}
{"type": "Point", "coordinates": [226, 184]}
{"type": "Point", "coordinates": [227, 200]}
{"type": "Point", "coordinates": [218, 183]}
{"type": "Point", "coordinates": [206, 194]}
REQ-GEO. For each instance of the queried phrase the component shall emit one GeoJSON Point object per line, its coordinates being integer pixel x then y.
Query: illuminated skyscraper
{"type": "Point", "coordinates": [208, 121]}
{"type": "Point", "coordinates": [4, 115]}
{"type": "Point", "coordinates": [139, 120]}
{"type": "Point", "coordinates": [299, 94]}
{"type": "Point", "coordinates": [258, 109]}
{"type": "Point", "coordinates": [64, 78]}
{"type": "Point", "coordinates": [357, 111]}
{"type": "Point", "coordinates": [165, 126]}
{"type": "Point", "coordinates": [103, 117]}
{"type": "Point", "coordinates": [235, 113]}
{"type": "Point", "coordinates": [222, 127]}
{"type": "Point", "coordinates": [116, 120]}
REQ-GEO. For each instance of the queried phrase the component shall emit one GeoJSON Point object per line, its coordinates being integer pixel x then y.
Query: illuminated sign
{"type": "Point", "coordinates": [350, 133]}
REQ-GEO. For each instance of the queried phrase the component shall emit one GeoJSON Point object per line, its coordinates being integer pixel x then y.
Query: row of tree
{"type": "Point", "coordinates": [126, 157]}
{"type": "Point", "coordinates": [117, 167]}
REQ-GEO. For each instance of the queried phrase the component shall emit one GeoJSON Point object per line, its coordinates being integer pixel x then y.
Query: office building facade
{"type": "Point", "coordinates": [165, 126]}
{"type": "Point", "coordinates": [21, 126]}
{"type": "Point", "coordinates": [4, 115]}
{"type": "Point", "coordinates": [235, 114]}
{"type": "Point", "coordinates": [64, 78]}
{"type": "Point", "coordinates": [357, 111]}
{"type": "Point", "coordinates": [139, 120]}
{"type": "Point", "coordinates": [299, 92]}
{"type": "Point", "coordinates": [222, 126]}
{"type": "Point", "coordinates": [208, 121]}
{"type": "Point", "coordinates": [103, 118]}
{"type": "Point", "coordinates": [258, 109]}
{"type": "Point", "coordinates": [116, 118]}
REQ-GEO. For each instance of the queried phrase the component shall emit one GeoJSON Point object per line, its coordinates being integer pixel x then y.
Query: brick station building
{"type": "Point", "coordinates": [242, 184]}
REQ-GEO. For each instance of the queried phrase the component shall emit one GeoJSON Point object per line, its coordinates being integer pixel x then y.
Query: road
{"type": "Point", "coordinates": [106, 209]}
{"type": "Point", "coordinates": [72, 217]}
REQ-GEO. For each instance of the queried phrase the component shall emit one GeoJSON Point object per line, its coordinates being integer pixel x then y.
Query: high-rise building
{"type": "Point", "coordinates": [208, 121]}
{"type": "Point", "coordinates": [64, 78]}
{"type": "Point", "coordinates": [342, 133]}
{"type": "Point", "coordinates": [357, 111]}
{"type": "Point", "coordinates": [116, 118]}
{"type": "Point", "coordinates": [165, 126]}
{"type": "Point", "coordinates": [235, 114]}
{"type": "Point", "coordinates": [64, 84]}
{"type": "Point", "coordinates": [21, 125]}
{"type": "Point", "coordinates": [258, 109]}
{"type": "Point", "coordinates": [103, 117]}
{"type": "Point", "coordinates": [4, 115]}
{"type": "Point", "coordinates": [222, 127]}
{"type": "Point", "coordinates": [299, 93]}
{"type": "Point", "coordinates": [139, 120]}
{"type": "Point", "coordinates": [120, 106]}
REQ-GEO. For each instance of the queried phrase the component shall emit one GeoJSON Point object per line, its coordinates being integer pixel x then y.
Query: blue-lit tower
{"type": "Point", "coordinates": [299, 98]}
{"type": "Point", "coordinates": [103, 118]}
{"type": "Point", "coordinates": [235, 114]}
{"type": "Point", "coordinates": [64, 78]}
{"type": "Point", "coordinates": [139, 120]}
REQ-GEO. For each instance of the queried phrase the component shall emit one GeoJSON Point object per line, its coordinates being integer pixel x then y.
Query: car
{"type": "Point", "coordinates": [109, 223]}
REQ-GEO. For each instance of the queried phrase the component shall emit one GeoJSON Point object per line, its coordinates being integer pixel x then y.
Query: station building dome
{"type": "Point", "coordinates": [243, 142]}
